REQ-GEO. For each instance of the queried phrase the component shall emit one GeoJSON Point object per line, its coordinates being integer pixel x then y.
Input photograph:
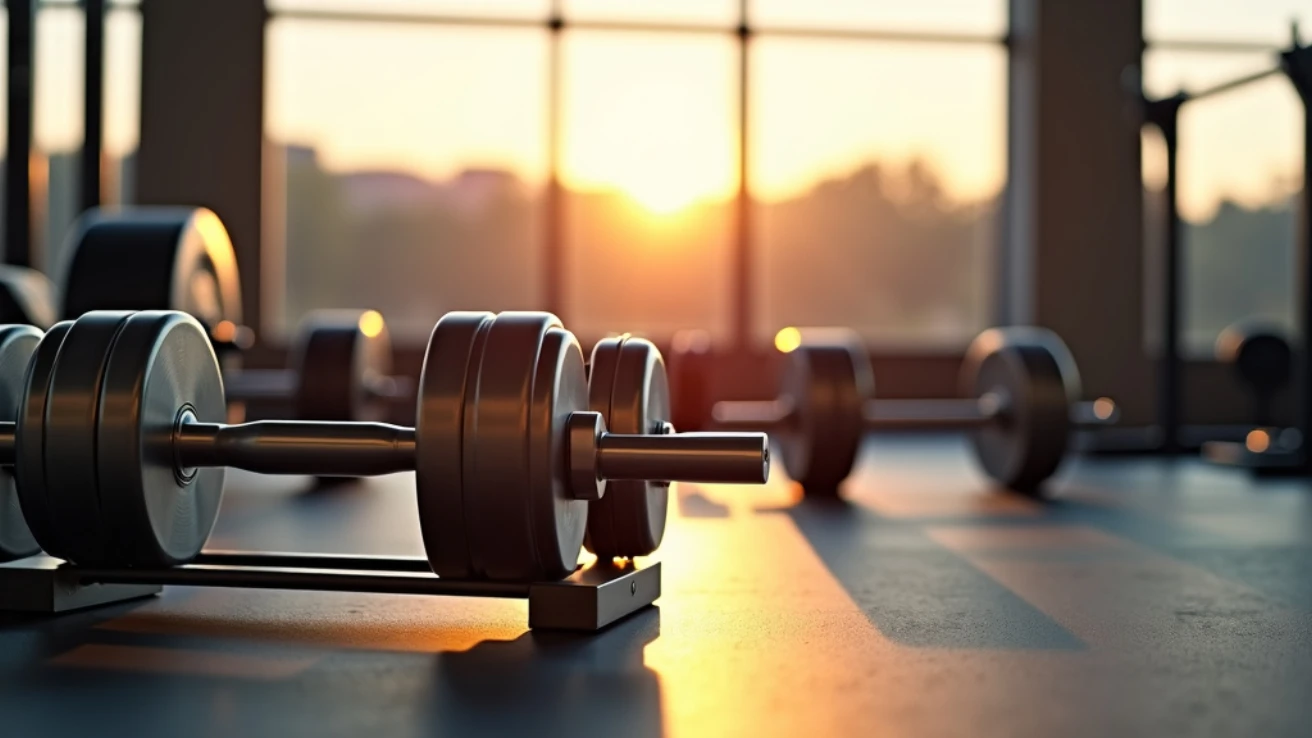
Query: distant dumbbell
{"type": "Point", "coordinates": [179, 258]}
{"type": "Point", "coordinates": [1262, 360]}
{"type": "Point", "coordinates": [120, 447]}
{"type": "Point", "coordinates": [157, 258]}
{"type": "Point", "coordinates": [690, 363]}
{"type": "Point", "coordinates": [339, 369]}
{"type": "Point", "coordinates": [1023, 386]}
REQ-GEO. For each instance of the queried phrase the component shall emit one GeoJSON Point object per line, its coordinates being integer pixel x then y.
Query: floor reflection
{"type": "Point", "coordinates": [916, 591]}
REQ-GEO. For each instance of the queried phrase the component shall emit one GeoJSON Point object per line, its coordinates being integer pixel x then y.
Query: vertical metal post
{"type": "Point", "coordinates": [742, 247]}
{"type": "Point", "coordinates": [554, 264]}
{"type": "Point", "coordinates": [93, 109]}
{"type": "Point", "coordinates": [1164, 114]}
{"type": "Point", "coordinates": [18, 184]}
{"type": "Point", "coordinates": [1297, 63]}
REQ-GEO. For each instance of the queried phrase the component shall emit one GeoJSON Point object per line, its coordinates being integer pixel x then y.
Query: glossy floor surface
{"type": "Point", "coordinates": [1149, 598]}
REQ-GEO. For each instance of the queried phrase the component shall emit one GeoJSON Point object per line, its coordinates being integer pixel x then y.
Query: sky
{"type": "Point", "coordinates": [655, 114]}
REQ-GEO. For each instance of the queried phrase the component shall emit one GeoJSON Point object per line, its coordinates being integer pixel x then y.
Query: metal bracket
{"type": "Point", "coordinates": [590, 599]}
{"type": "Point", "coordinates": [41, 584]}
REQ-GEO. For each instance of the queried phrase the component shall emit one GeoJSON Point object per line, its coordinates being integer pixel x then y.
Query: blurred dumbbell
{"type": "Point", "coordinates": [690, 363]}
{"type": "Point", "coordinates": [180, 258]}
{"type": "Point", "coordinates": [1262, 360]}
{"type": "Point", "coordinates": [1024, 394]}
{"type": "Point", "coordinates": [338, 369]}
{"type": "Point", "coordinates": [157, 258]}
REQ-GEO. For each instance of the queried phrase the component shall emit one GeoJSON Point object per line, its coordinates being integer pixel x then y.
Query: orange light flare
{"type": "Point", "coordinates": [225, 331]}
{"type": "Point", "coordinates": [1258, 441]}
{"type": "Point", "coordinates": [1104, 408]}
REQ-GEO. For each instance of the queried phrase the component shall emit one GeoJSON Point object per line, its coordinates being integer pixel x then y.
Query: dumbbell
{"type": "Point", "coordinates": [1022, 382]}
{"type": "Point", "coordinates": [1262, 360]}
{"type": "Point", "coordinates": [339, 368]}
{"type": "Point", "coordinates": [181, 258]}
{"type": "Point", "coordinates": [157, 258]}
{"type": "Point", "coordinates": [119, 448]}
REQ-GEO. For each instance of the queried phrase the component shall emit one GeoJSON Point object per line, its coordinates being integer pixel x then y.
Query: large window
{"type": "Point", "coordinates": [1240, 162]}
{"type": "Point", "coordinates": [642, 166]}
{"type": "Point", "coordinates": [58, 97]}
{"type": "Point", "coordinates": [414, 167]}
{"type": "Point", "coordinates": [875, 205]}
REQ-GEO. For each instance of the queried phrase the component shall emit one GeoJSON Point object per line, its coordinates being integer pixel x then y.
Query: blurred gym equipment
{"type": "Point", "coordinates": [181, 258]}
{"type": "Point", "coordinates": [1296, 64]}
{"type": "Point", "coordinates": [1263, 362]}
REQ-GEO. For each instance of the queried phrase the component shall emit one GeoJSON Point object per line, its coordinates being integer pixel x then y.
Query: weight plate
{"type": "Point", "coordinates": [560, 388]}
{"type": "Point", "coordinates": [826, 381]}
{"type": "Point", "coordinates": [529, 377]}
{"type": "Point", "coordinates": [1035, 374]}
{"type": "Point", "coordinates": [29, 441]}
{"type": "Point", "coordinates": [450, 366]}
{"type": "Point", "coordinates": [634, 396]}
{"type": "Point", "coordinates": [339, 354]}
{"type": "Point", "coordinates": [162, 365]}
{"type": "Point", "coordinates": [153, 258]}
{"type": "Point", "coordinates": [1259, 353]}
{"type": "Point", "coordinates": [72, 410]}
{"type": "Point", "coordinates": [602, 365]}
{"type": "Point", "coordinates": [18, 344]}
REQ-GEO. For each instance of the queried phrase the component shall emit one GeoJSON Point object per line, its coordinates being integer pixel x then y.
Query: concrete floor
{"type": "Point", "coordinates": [1148, 598]}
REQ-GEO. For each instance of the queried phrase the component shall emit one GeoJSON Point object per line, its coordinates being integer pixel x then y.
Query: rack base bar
{"type": "Point", "coordinates": [590, 599]}
{"type": "Point", "coordinates": [411, 564]}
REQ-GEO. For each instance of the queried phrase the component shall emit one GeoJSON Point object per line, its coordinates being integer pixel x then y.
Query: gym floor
{"type": "Point", "coordinates": [1151, 597]}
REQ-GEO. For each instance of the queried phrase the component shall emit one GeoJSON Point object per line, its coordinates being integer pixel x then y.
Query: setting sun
{"type": "Point", "coordinates": [661, 197]}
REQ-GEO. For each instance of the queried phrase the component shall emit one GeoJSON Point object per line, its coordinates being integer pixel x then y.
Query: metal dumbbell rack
{"type": "Point", "coordinates": [590, 599]}
{"type": "Point", "coordinates": [1296, 64]}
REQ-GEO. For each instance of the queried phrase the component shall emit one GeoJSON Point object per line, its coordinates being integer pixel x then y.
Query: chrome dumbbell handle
{"type": "Point", "coordinates": [372, 449]}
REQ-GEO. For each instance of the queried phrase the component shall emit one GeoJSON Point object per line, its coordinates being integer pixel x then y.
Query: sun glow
{"type": "Point", "coordinates": [660, 197]}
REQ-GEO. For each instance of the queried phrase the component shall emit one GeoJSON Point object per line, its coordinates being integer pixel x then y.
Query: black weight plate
{"type": "Point", "coordinates": [161, 366]}
{"type": "Point", "coordinates": [1260, 354]}
{"type": "Point", "coordinates": [29, 442]}
{"type": "Point", "coordinates": [18, 344]}
{"type": "Point", "coordinates": [450, 365]}
{"type": "Point", "coordinates": [72, 412]}
{"type": "Point", "coordinates": [826, 381]}
{"type": "Point", "coordinates": [153, 258]}
{"type": "Point", "coordinates": [635, 399]}
{"type": "Point", "coordinates": [1035, 374]}
{"type": "Point", "coordinates": [338, 354]}
{"type": "Point", "coordinates": [528, 380]}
